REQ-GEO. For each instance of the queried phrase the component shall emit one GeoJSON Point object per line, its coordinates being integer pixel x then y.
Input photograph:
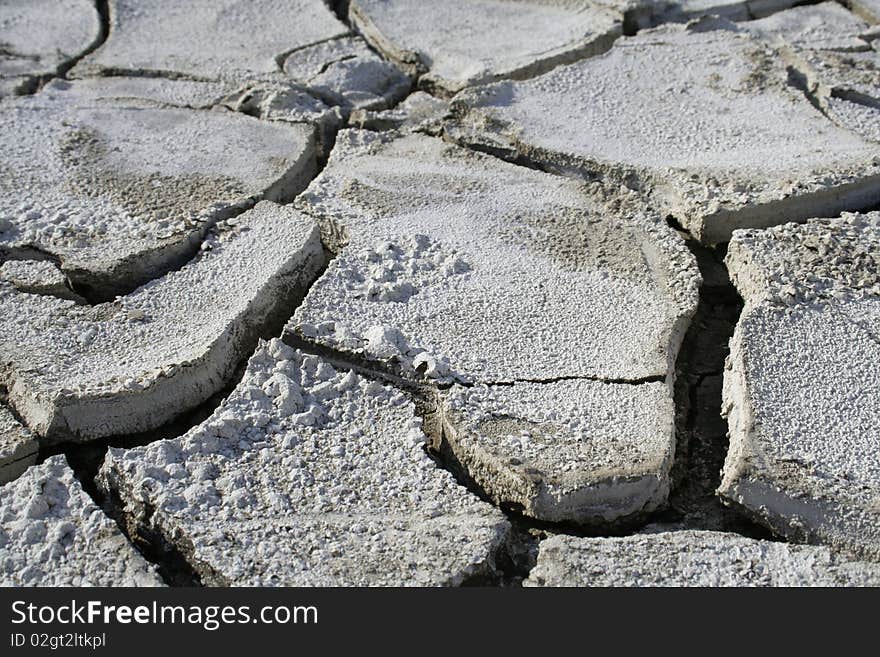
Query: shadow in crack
{"type": "Point", "coordinates": [701, 431]}
{"type": "Point", "coordinates": [86, 459]}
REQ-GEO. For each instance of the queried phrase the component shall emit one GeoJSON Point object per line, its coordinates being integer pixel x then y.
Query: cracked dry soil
{"type": "Point", "coordinates": [381, 296]}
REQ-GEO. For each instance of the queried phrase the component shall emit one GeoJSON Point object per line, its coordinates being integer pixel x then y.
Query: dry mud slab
{"type": "Point", "coordinates": [236, 43]}
{"type": "Point", "coordinates": [825, 26]}
{"type": "Point", "coordinates": [867, 9]}
{"type": "Point", "coordinates": [346, 72]}
{"type": "Point", "coordinates": [860, 116]}
{"type": "Point", "coordinates": [801, 389]}
{"type": "Point", "coordinates": [569, 451]}
{"type": "Point", "coordinates": [38, 277]}
{"type": "Point", "coordinates": [833, 56]}
{"type": "Point", "coordinates": [307, 476]}
{"type": "Point", "coordinates": [18, 447]}
{"type": "Point", "coordinates": [702, 117]}
{"type": "Point", "coordinates": [52, 534]}
{"type": "Point", "coordinates": [120, 191]}
{"type": "Point", "coordinates": [842, 77]}
{"type": "Point", "coordinates": [273, 100]}
{"type": "Point", "coordinates": [419, 112]}
{"type": "Point", "coordinates": [158, 92]}
{"type": "Point", "coordinates": [40, 38]}
{"type": "Point", "coordinates": [206, 39]}
{"type": "Point", "coordinates": [446, 44]}
{"type": "Point", "coordinates": [692, 558]}
{"type": "Point", "coordinates": [455, 267]}
{"type": "Point", "coordinates": [78, 372]}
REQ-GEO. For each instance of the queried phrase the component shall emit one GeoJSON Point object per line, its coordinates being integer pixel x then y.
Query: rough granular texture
{"type": "Point", "coordinates": [801, 386]}
{"type": "Point", "coordinates": [831, 56]}
{"type": "Point", "coordinates": [574, 451]}
{"type": "Point", "coordinates": [692, 558]}
{"type": "Point", "coordinates": [123, 191]}
{"type": "Point", "coordinates": [52, 534]}
{"type": "Point", "coordinates": [419, 112]}
{"type": "Point", "coordinates": [37, 277]}
{"type": "Point", "coordinates": [346, 72]}
{"type": "Point", "coordinates": [455, 266]}
{"type": "Point", "coordinates": [719, 137]}
{"type": "Point", "coordinates": [825, 26]}
{"type": "Point", "coordinates": [841, 75]}
{"type": "Point", "coordinates": [79, 372]}
{"type": "Point", "coordinates": [40, 37]}
{"type": "Point", "coordinates": [307, 476]}
{"type": "Point", "coordinates": [207, 39]}
{"type": "Point", "coordinates": [478, 247]}
{"type": "Point", "coordinates": [446, 42]}
{"type": "Point", "coordinates": [289, 44]}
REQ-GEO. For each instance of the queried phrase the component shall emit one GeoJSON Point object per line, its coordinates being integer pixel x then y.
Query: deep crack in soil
{"type": "Point", "coordinates": [701, 431]}
{"type": "Point", "coordinates": [86, 458]}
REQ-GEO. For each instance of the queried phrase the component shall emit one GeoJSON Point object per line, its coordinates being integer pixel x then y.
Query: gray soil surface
{"type": "Point", "coordinates": [419, 293]}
